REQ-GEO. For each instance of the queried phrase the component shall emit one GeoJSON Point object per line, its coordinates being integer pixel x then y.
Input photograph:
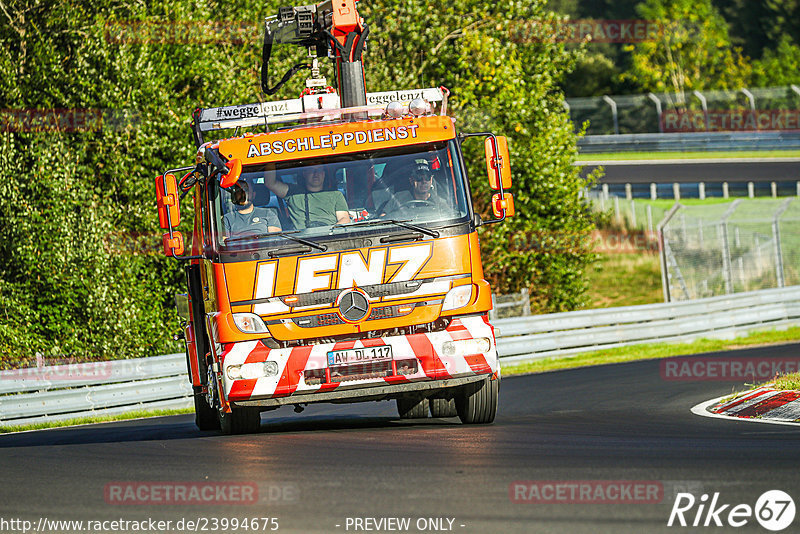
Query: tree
{"type": "Point", "coordinates": [779, 66]}
{"type": "Point", "coordinates": [759, 26]}
{"type": "Point", "coordinates": [693, 51]}
{"type": "Point", "coordinates": [81, 274]}
{"type": "Point", "coordinates": [510, 86]}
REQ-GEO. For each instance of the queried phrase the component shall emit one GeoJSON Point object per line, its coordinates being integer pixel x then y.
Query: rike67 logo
{"type": "Point", "coordinates": [774, 510]}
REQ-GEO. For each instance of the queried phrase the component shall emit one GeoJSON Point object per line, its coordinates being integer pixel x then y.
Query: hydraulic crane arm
{"type": "Point", "coordinates": [330, 28]}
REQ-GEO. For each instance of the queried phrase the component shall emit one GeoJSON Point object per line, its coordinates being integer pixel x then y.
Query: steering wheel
{"type": "Point", "coordinates": [416, 203]}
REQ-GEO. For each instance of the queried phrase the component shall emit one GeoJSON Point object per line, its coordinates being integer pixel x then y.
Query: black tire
{"type": "Point", "coordinates": [205, 417]}
{"type": "Point", "coordinates": [412, 407]}
{"type": "Point", "coordinates": [443, 407]}
{"type": "Point", "coordinates": [240, 421]}
{"type": "Point", "coordinates": [477, 403]}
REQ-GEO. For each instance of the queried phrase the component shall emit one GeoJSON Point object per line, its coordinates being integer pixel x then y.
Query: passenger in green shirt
{"type": "Point", "coordinates": [309, 205]}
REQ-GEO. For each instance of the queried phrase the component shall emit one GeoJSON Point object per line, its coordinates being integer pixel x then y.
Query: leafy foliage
{"type": "Point", "coordinates": [81, 274]}
{"type": "Point", "coordinates": [693, 51]}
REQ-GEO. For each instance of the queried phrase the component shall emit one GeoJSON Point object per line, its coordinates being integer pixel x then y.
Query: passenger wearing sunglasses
{"type": "Point", "coordinates": [422, 193]}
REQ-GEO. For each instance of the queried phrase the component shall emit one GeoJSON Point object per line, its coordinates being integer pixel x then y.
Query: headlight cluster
{"type": "Point", "coordinates": [250, 323]}
{"type": "Point", "coordinates": [458, 297]}
{"type": "Point", "coordinates": [252, 370]}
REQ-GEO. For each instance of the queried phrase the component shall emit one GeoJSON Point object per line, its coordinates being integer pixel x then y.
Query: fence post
{"type": "Point", "coordinates": [727, 269]}
{"type": "Point", "coordinates": [700, 237]}
{"type": "Point", "coordinates": [676, 191]}
{"type": "Point", "coordinates": [633, 214]}
{"type": "Point", "coordinates": [663, 245]}
{"type": "Point", "coordinates": [493, 311]}
{"type": "Point", "coordinates": [774, 189]}
{"type": "Point", "coordinates": [751, 190]}
{"type": "Point", "coordinates": [654, 191]}
{"type": "Point", "coordinates": [703, 104]}
{"type": "Point", "coordinates": [526, 301]}
{"type": "Point", "coordinates": [726, 259]}
{"type": "Point", "coordinates": [657, 102]}
{"type": "Point", "coordinates": [617, 213]}
{"type": "Point", "coordinates": [608, 100]}
{"type": "Point", "coordinates": [776, 237]}
{"type": "Point", "coordinates": [741, 272]}
{"type": "Point", "coordinates": [702, 191]}
{"type": "Point", "coordinates": [725, 190]}
{"type": "Point", "coordinates": [650, 218]}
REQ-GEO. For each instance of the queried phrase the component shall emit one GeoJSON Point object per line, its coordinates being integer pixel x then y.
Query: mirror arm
{"type": "Point", "coordinates": [461, 137]}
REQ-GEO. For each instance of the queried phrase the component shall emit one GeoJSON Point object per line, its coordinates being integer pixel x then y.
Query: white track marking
{"type": "Point", "coordinates": [701, 410]}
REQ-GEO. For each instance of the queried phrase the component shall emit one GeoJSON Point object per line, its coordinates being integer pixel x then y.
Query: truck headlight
{"type": "Point", "coordinates": [248, 371]}
{"type": "Point", "coordinates": [250, 323]}
{"type": "Point", "coordinates": [465, 347]}
{"type": "Point", "coordinates": [458, 297]}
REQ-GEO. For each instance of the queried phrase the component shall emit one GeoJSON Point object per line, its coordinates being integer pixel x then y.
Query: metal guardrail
{"type": "Point", "coordinates": [686, 142]}
{"type": "Point", "coordinates": [44, 394]}
{"type": "Point", "coordinates": [40, 394]}
{"type": "Point", "coordinates": [565, 334]}
{"type": "Point", "coordinates": [516, 304]}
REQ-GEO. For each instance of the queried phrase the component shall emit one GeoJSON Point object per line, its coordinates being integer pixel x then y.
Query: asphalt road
{"type": "Point", "coordinates": [621, 172]}
{"type": "Point", "coordinates": [317, 469]}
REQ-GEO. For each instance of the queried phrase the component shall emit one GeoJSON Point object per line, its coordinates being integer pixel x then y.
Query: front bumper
{"type": "Point", "coordinates": [419, 362]}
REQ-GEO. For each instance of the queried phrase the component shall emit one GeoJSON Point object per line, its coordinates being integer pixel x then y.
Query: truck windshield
{"type": "Point", "coordinates": [331, 197]}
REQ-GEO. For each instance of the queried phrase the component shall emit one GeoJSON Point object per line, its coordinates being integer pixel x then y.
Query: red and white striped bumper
{"type": "Point", "coordinates": [304, 370]}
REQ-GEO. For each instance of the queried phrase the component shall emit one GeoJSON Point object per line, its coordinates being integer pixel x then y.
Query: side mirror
{"type": "Point", "coordinates": [234, 172]}
{"type": "Point", "coordinates": [169, 213]}
{"type": "Point", "coordinates": [498, 163]}
{"type": "Point", "coordinates": [503, 207]}
{"type": "Point", "coordinates": [173, 246]}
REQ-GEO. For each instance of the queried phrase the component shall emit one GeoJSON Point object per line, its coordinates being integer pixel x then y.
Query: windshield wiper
{"type": "Point", "coordinates": [399, 222]}
{"type": "Point", "coordinates": [286, 234]}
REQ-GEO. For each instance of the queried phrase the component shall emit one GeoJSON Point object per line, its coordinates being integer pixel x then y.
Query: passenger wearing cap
{"type": "Point", "coordinates": [422, 193]}
{"type": "Point", "coordinates": [245, 218]}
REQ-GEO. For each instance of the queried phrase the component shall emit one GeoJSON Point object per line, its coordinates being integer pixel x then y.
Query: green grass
{"type": "Point", "coordinates": [791, 381]}
{"type": "Point", "coordinates": [98, 419]}
{"type": "Point", "coordinates": [652, 351]}
{"type": "Point", "coordinates": [630, 156]}
{"type": "Point", "coordinates": [624, 280]}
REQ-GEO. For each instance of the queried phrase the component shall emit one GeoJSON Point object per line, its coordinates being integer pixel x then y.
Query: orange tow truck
{"type": "Point", "coordinates": [334, 255]}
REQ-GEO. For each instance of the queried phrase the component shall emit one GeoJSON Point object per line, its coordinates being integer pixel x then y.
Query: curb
{"type": "Point", "coordinates": [764, 404]}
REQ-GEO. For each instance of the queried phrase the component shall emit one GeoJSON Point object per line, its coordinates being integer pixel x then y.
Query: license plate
{"type": "Point", "coordinates": [365, 355]}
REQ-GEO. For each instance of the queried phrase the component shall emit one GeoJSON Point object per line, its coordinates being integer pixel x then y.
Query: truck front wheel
{"type": "Point", "coordinates": [205, 417]}
{"type": "Point", "coordinates": [240, 421]}
{"type": "Point", "coordinates": [477, 403]}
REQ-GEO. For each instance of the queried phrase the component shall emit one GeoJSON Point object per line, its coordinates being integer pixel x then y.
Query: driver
{"type": "Point", "coordinates": [422, 190]}
{"type": "Point", "coordinates": [246, 218]}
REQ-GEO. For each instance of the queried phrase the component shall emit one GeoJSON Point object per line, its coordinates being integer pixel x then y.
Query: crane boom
{"type": "Point", "coordinates": [334, 31]}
